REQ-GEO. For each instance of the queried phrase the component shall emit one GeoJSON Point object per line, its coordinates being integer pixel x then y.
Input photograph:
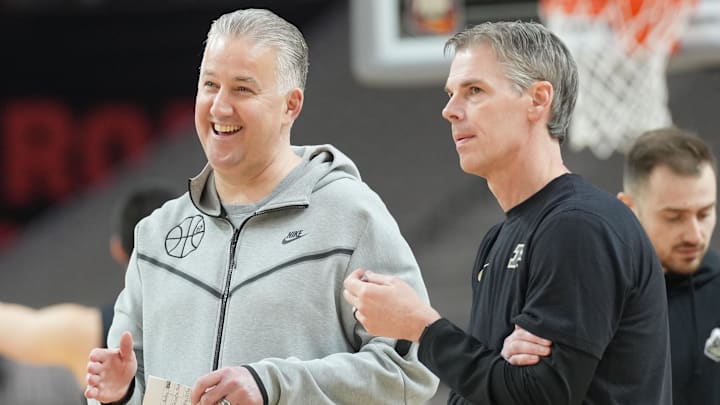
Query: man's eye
{"type": "Point", "coordinates": [475, 90]}
{"type": "Point", "coordinates": [705, 214]}
{"type": "Point", "coordinates": [210, 84]}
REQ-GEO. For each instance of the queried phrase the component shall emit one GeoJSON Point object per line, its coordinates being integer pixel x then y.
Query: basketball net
{"type": "Point", "coordinates": [622, 48]}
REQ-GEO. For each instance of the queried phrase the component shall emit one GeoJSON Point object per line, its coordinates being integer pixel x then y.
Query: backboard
{"type": "Point", "coordinates": [384, 53]}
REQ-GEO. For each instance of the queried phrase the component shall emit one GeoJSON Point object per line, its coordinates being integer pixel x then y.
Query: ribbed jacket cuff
{"type": "Point", "coordinates": [259, 383]}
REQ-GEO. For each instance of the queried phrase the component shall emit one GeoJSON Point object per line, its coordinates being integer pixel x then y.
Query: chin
{"type": "Point", "coordinates": [469, 167]}
{"type": "Point", "coordinates": [686, 269]}
{"type": "Point", "coordinates": [464, 168]}
{"type": "Point", "coordinates": [222, 160]}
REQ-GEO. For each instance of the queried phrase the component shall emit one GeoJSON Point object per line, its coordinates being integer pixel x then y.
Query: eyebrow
{"type": "Point", "coordinates": [244, 79]}
{"type": "Point", "coordinates": [467, 83]}
{"type": "Point", "coordinates": [240, 79]}
{"type": "Point", "coordinates": [681, 210]}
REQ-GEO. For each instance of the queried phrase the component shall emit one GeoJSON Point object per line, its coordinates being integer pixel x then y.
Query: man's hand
{"type": "Point", "coordinates": [110, 371]}
{"type": "Point", "coordinates": [234, 384]}
{"type": "Point", "coordinates": [522, 348]}
{"type": "Point", "coordinates": [387, 306]}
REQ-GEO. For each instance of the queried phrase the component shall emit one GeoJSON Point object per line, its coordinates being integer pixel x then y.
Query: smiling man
{"type": "Point", "coordinates": [235, 287]}
{"type": "Point", "coordinates": [670, 183]}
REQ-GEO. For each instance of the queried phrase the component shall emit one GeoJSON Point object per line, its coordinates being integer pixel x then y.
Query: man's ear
{"type": "Point", "coordinates": [541, 94]}
{"type": "Point", "coordinates": [293, 104]}
{"type": "Point", "coordinates": [626, 199]}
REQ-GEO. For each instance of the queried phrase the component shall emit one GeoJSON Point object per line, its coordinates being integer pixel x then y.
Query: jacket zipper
{"type": "Point", "coordinates": [233, 265]}
{"type": "Point", "coordinates": [224, 298]}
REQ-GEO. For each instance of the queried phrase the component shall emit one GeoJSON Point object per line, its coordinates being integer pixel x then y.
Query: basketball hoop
{"type": "Point", "coordinates": [622, 48]}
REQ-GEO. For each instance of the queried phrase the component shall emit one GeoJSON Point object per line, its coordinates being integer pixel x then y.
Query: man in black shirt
{"type": "Point", "coordinates": [670, 183]}
{"type": "Point", "coordinates": [570, 262]}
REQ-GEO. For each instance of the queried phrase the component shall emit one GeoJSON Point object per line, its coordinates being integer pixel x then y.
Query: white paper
{"type": "Point", "coordinates": [160, 391]}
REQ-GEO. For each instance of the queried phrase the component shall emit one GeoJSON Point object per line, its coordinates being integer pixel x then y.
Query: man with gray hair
{"type": "Point", "coordinates": [570, 263]}
{"type": "Point", "coordinates": [234, 288]}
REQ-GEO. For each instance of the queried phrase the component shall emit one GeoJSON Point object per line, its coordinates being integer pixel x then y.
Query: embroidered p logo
{"type": "Point", "coordinates": [517, 256]}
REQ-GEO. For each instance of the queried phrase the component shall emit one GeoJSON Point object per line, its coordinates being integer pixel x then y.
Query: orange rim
{"type": "Point", "coordinates": [625, 16]}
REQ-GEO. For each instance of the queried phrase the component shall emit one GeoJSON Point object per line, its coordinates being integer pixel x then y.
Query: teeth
{"type": "Point", "coordinates": [226, 128]}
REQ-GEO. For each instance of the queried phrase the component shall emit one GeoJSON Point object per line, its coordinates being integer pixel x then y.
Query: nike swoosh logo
{"type": "Point", "coordinates": [289, 239]}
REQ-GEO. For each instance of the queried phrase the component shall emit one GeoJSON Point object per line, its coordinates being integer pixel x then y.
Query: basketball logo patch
{"type": "Point", "coordinates": [185, 237]}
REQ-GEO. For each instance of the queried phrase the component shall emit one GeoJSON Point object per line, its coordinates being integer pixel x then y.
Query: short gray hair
{"type": "Point", "coordinates": [530, 53]}
{"type": "Point", "coordinates": [265, 28]}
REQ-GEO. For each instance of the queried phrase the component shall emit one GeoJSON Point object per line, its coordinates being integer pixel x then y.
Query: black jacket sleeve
{"type": "Point", "coordinates": [479, 375]}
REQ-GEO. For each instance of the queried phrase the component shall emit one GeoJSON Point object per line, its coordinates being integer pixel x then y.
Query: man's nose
{"type": "Point", "coordinates": [693, 231]}
{"type": "Point", "coordinates": [452, 111]}
{"type": "Point", "coordinates": [221, 106]}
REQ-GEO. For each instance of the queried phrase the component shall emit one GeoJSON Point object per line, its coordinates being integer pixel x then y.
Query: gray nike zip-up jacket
{"type": "Point", "coordinates": [266, 293]}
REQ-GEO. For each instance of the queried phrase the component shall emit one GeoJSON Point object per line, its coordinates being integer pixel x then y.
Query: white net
{"type": "Point", "coordinates": [622, 48]}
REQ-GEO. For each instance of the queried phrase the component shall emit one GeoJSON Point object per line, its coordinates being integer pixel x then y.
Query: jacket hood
{"type": "Point", "coordinates": [324, 164]}
{"type": "Point", "coordinates": [709, 270]}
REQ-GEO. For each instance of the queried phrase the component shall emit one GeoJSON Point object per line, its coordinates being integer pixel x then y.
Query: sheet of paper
{"type": "Point", "coordinates": [160, 391]}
